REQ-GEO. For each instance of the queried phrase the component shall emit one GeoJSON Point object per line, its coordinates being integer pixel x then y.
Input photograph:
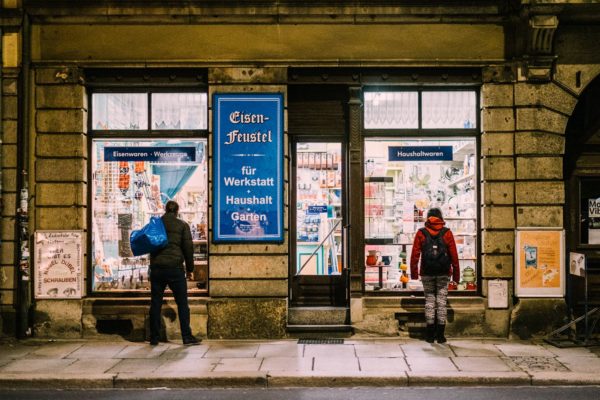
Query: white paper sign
{"type": "Point", "coordinates": [498, 294]}
{"type": "Point", "coordinates": [577, 264]}
{"type": "Point", "coordinates": [58, 264]}
{"type": "Point", "coordinates": [594, 208]}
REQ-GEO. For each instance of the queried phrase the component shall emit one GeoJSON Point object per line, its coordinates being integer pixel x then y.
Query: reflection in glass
{"type": "Point", "coordinates": [391, 110]}
{"type": "Point", "coordinates": [179, 110]}
{"type": "Point", "coordinates": [119, 111]}
{"type": "Point", "coordinates": [128, 191]}
{"type": "Point", "coordinates": [449, 109]}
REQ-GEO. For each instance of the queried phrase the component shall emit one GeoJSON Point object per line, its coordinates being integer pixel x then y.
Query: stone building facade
{"type": "Point", "coordinates": [530, 62]}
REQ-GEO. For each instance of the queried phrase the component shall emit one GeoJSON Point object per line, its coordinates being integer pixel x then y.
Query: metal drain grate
{"type": "Point", "coordinates": [320, 341]}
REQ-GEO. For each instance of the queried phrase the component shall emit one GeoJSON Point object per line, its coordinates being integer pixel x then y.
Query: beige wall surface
{"type": "Point", "coordinates": [306, 43]}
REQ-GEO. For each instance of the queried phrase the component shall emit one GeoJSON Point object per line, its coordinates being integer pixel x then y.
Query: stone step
{"type": "Point", "coordinates": [317, 316]}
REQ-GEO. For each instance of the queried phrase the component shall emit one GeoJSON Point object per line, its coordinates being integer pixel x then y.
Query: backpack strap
{"type": "Point", "coordinates": [428, 234]}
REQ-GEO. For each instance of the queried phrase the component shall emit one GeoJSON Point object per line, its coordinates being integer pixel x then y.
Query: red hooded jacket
{"type": "Point", "coordinates": [434, 225]}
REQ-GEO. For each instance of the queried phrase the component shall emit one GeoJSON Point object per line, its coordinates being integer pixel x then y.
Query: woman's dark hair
{"type": "Point", "coordinates": [435, 212]}
{"type": "Point", "coordinates": [172, 207]}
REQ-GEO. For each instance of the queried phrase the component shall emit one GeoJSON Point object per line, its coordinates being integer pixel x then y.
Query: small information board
{"type": "Point", "coordinates": [497, 294]}
{"type": "Point", "coordinates": [59, 264]}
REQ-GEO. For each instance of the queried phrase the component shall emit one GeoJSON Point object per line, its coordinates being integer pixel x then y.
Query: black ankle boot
{"type": "Point", "coordinates": [429, 333]}
{"type": "Point", "coordinates": [439, 333]}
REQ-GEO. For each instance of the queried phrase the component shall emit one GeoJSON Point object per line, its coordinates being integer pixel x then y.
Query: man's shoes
{"type": "Point", "coordinates": [153, 342]}
{"type": "Point", "coordinates": [191, 341]}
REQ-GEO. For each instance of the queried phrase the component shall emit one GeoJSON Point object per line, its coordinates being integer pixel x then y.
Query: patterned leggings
{"type": "Point", "coordinates": [436, 292]}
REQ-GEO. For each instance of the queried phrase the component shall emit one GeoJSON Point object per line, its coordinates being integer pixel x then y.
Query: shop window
{"type": "Point", "coordinates": [449, 109]}
{"type": "Point", "coordinates": [120, 111]}
{"type": "Point", "coordinates": [590, 211]}
{"type": "Point", "coordinates": [404, 178]}
{"type": "Point", "coordinates": [131, 111]}
{"type": "Point", "coordinates": [179, 111]}
{"type": "Point", "coordinates": [131, 181]}
{"type": "Point", "coordinates": [149, 146]}
{"type": "Point", "coordinates": [391, 110]}
{"type": "Point", "coordinates": [420, 109]}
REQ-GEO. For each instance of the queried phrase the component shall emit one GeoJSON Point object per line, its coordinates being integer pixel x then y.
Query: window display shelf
{"type": "Point", "coordinates": [461, 180]}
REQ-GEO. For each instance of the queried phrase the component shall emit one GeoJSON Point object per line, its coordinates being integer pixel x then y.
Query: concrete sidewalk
{"type": "Point", "coordinates": [285, 363]}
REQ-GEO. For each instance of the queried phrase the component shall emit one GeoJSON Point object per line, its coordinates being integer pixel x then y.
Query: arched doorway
{"type": "Point", "coordinates": [582, 175]}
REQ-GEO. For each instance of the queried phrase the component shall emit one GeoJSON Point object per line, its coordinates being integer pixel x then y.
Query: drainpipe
{"type": "Point", "coordinates": [2, 275]}
{"type": "Point", "coordinates": [24, 287]}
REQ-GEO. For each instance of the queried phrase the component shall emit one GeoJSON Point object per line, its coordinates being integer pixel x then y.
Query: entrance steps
{"type": "Point", "coordinates": [319, 322]}
{"type": "Point", "coordinates": [466, 315]}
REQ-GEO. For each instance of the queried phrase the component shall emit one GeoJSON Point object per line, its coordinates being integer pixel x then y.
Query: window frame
{"type": "Point", "coordinates": [106, 86]}
{"type": "Point", "coordinates": [420, 131]}
{"type": "Point", "coordinates": [431, 133]}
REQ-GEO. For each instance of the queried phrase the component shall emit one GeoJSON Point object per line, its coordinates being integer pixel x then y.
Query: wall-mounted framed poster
{"type": "Point", "coordinates": [540, 258]}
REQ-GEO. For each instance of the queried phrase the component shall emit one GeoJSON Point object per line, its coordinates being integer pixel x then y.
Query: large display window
{"type": "Point", "coordinates": [404, 177]}
{"type": "Point", "coordinates": [131, 181]}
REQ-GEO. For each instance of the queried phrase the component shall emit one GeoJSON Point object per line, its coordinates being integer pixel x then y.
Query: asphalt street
{"type": "Point", "coordinates": [446, 393]}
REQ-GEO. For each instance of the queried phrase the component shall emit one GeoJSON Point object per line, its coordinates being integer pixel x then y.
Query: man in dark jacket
{"type": "Point", "coordinates": [166, 268]}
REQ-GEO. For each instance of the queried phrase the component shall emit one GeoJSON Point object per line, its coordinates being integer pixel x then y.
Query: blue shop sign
{"type": "Point", "coordinates": [153, 154]}
{"type": "Point", "coordinates": [248, 167]}
{"type": "Point", "coordinates": [316, 209]}
{"type": "Point", "coordinates": [420, 153]}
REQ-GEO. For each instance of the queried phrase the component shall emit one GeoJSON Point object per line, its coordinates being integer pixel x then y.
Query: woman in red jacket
{"type": "Point", "coordinates": [434, 245]}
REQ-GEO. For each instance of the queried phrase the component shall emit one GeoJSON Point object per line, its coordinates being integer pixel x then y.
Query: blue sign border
{"type": "Point", "coordinates": [219, 99]}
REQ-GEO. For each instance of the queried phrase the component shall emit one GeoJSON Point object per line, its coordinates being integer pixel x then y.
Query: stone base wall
{"type": "Point", "coordinates": [101, 318]}
{"type": "Point", "coordinates": [247, 318]}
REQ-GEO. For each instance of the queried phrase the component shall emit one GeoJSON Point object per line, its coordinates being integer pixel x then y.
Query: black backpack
{"type": "Point", "coordinates": [435, 259]}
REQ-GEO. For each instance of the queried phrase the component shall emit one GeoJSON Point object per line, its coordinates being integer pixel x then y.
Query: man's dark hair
{"type": "Point", "coordinates": [172, 207]}
{"type": "Point", "coordinates": [435, 212]}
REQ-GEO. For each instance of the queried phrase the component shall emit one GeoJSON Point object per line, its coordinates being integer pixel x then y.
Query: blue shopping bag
{"type": "Point", "coordinates": [150, 238]}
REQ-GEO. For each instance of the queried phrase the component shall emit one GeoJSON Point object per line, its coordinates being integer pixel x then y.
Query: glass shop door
{"type": "Point", "coordinates": [318, 270]}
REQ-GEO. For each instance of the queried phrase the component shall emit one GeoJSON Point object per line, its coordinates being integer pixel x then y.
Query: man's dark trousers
{"type": "Point", "coordinates": [175, 279]}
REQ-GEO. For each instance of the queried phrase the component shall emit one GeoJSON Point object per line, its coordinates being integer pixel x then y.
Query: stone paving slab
{"type": "Point", "coordinates": [524, 350]}
{"type": "Point", "coordinates": [292, 364]}
{"type": "Point", "coordinates": [383, 365]}
{"type": "Point", "coordinates": [280, 350]}
{"type": "Point", "coordinates": [581, 364]}
{"type": "Point", "coordinates": [98, 350]}
{"type": "Point", "coordinates": [238, 364]}
{"type": "Point", "coordinates": [91, 366]}
{"type": "Point", "coordinates": [329, 350]}
{"type": "Point", "coordinates": [54, 350]}
{"type": "Point", "coordinates": [345, 363]}
{"type": "Point", "coordinates": [36, 365]}
{"type": "Point", "coordinates": [189, 365]}
{"type": "Point", "coordinates": [232, 351]}
{"type": "Point", "coordinates": [434, 364]}
{"type": "Point", "coordinates": [474, 349]}
{"type": "Point", "coordinates": [481, 364]}
{"type": "Point", "coordinates": [185, 352]}
{"type": "Point", "coordinates": [137, 366]}
{"type": "Point", "coordinates": [378, 350]}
